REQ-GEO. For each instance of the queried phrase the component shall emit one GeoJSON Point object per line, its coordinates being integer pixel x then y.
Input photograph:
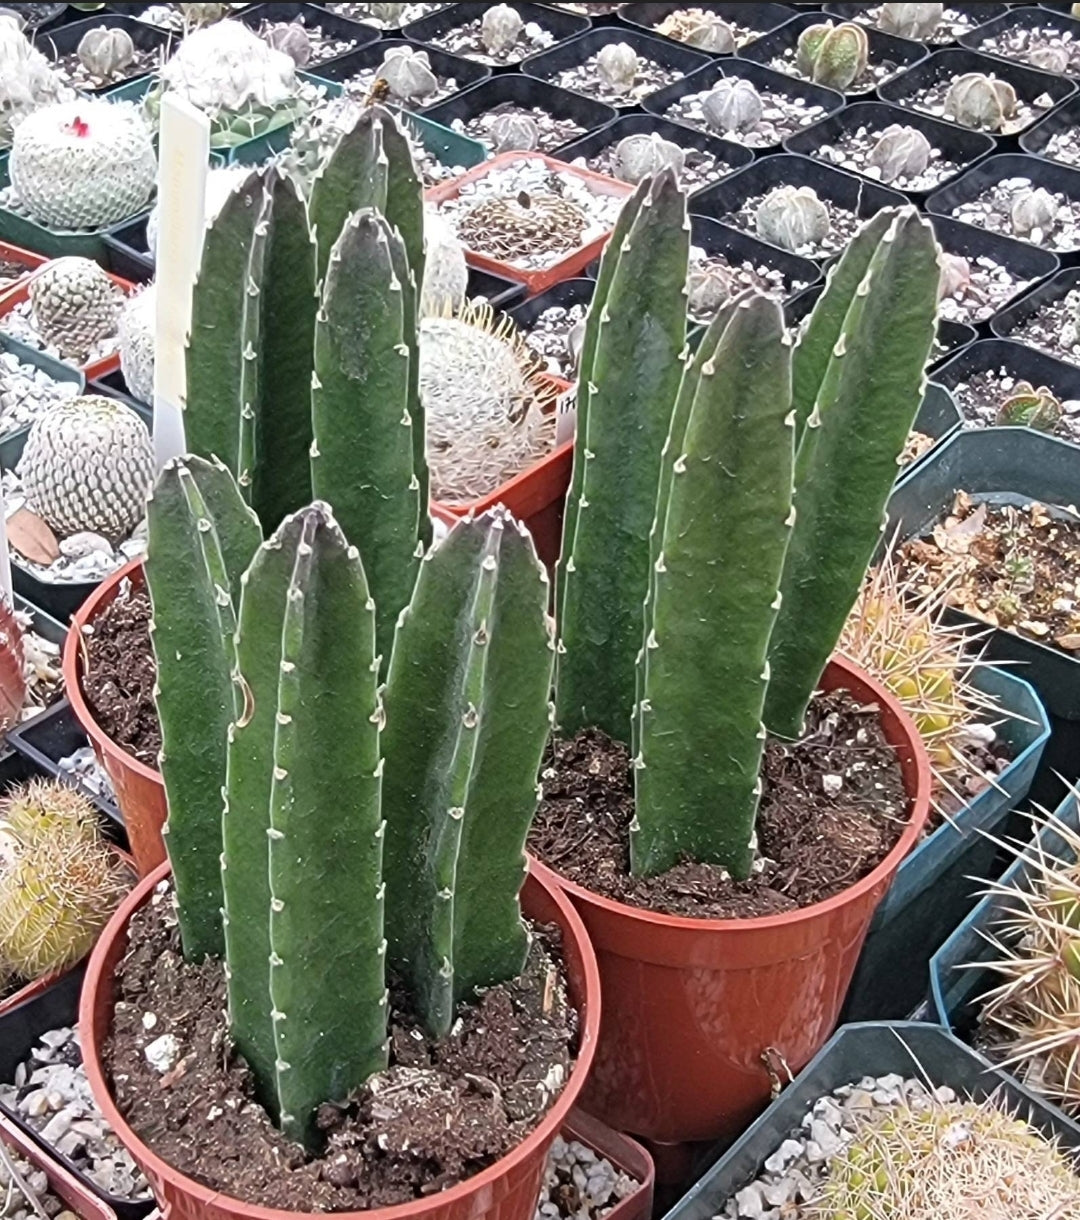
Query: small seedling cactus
{"type": "Point", "coordinates": [955, 275]}
{"type": "Point", "coordinates": [900, 152]}
{"type": "Point", "coordinates": [617, 66]}
{"type": "Point", "coordinates": [1027, 407]}
{"type": "Point", "coordinates": [981, 102]}
{"type": "Point", "coordinates": [708, 287]}
{"type": "Point", "coordinates": [408, 74]}
{"type": "Point", "coordinates": [699, 28]}
{"type": "Point", "coordinates": [793, 218]}
{"type": "Point", "coordinates": [292, 39]}
{"type": "Point", "coordinates": [105, 51]}
{"type": "Point", "coordinates": [514, 133]}
{"type": "Point", "coordinates": [641, 156]}
{"type": "Point", "coordinates": [733, 105]}
{"type": "Point", "coordinates": [500, 28]}
{"type": "Point", "coordinates": [1033, 212]}
{"type": "Point", "coordinates": [917, 21]}
{"type": "Point", "coordinates": [75, 305]}
{"type": "Point", "coordinates": [835, 56]}
{"type": "Point", "coordinates": [1050, 59]}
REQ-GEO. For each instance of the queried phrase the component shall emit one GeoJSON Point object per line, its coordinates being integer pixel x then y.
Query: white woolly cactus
{"type": "Point", "coordinates": [699, 28]}
{"type": "Point", "coordinates": [917, 21]}
{"type": "Point", "coordinates": [27, 79]}
{"type": "Point", "coordinates": [446, 276]}
{"type": "Point", "coordinates": [83, 164]}
{"type": "Point", "coordinates": [514, 133]}
{"type": "Point", "coordinates": [900, 152]}
{"type": "Point", "coordinates": [1033, 212]}
{"type": "Point", "coordinates": [75, 305]}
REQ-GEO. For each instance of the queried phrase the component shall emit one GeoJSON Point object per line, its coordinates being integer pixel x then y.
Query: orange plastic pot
{"type": "Point", "coordinates": [26, 258]}
{"type": "Point", "coordinates": [140, 792]}
{"type": "Point", "coordinates": [63, 1184]}
{"type": "Point", "coordinates": [697, 1013]}
{"type": "Point", "coordinates": [566, 268]}
{"type": "Point", "coordinates": [506, 1190]}
{"type": "Point", "coordinates": [95, 368]}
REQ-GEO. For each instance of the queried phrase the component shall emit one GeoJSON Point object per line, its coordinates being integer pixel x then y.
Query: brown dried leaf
{"type": "Point", "coordinates": [1070, 642]}
{"type": "Point", "coordinates": [956, 536]}
{"type": "Point", "coordinates": [31, 537]}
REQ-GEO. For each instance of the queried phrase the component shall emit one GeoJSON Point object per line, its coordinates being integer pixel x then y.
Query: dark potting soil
{"type": "Point", "coordinates": [1054, 327]}
{"type": "Point", "coordinates": [981, 396]}
{"type": "Point", "coordinates": [440, 1113]}
{"type": "Point", "coordinates": [832, 808]}
{"type": "Point", "coordinates": [72, 69]}
{"type": "Point", "coordinates": [119, 675]}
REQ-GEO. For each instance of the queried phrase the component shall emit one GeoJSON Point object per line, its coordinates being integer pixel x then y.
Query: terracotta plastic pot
{"type": "Point", "coordinates": [26, 258]}
{"type": "Point", "coordinates": [140, 792]}
{"type": "Point", "coordinates": [625, 1154]}
{"type": "Point", "coordinates": [506, 1190]}
{"type": "Point", "coordinates": [697, 1012]}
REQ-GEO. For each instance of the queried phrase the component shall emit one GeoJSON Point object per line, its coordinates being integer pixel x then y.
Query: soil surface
{"type": "Point", "coordinates": [982, 396]}
{"type": "Point", "coordinates": [1053, 327]}
{"type": "Point", "coordinates": [833, 807]}
{"type": "Point", "coordinates": [440, 1113]}
{"type": "Point", "coordinates": [118, 678]}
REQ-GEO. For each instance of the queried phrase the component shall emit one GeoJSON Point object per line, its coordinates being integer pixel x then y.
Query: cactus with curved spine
{"type": "Point", "coordinates": [201, 539]}
{"type": "Point", "coordinates": [631, 363]}
{"type": "Point", "coordinates": [467, 719]}
{"type": "Point", "coordinates": [834, 56]}
{"type": "Point", "coordinates": [302, 860]}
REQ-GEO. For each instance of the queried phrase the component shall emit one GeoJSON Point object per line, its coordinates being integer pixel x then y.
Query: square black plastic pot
{"type": "Point", "coordinates": [1006, 323]}
{"type": "Point", "coordinates": [977, 13]}
{"type": "Point", "coordinates": [979, 178]}
{"type": "Point", "coordinates": [556, 21]}
{"type": "Point", "coordinates": [952, 337]}
{"type": "Point", "coordinates": [1062, 118]}
{"type": "Point", "coordinates": [875, 1048]}
{"type": "Point", "coordinates": [522, 91]}
{"type": "Point", "coordinates": [1029, 83]}
{"type": "Point", "coordinates": [761, 18]}
{"type": "Point", "coordinates": [828, 100]}
{"type": "Point", "coordinates": [546, 65]}
{"type": "Point", "coordinates": [1007, 466]}
{"type": "Point", "coordinates": [734, 156]}
{"type": "Point", "coordinates": [715, 237]}
{"type": "Point", "coordinates": [66, 38]}
{"type": "Point", "coordinates": [49, 18]}
{"type": "Point", "coordinates": [127, 252]}
{"type": "Point", "coordinates": [787, 169]}
{"type": "Point", "coordinates": [883, 49]}
{"type": "Point", "coordinates": [359, 34]}
{"type": "Point", "coordinates": [1022, 18]}
{"type": "Point", "coordinates": [957, 144]}
{"type": "Point", "coordinates": [577, 291]}
{"type": "Point", "coordinates": [465, 71]}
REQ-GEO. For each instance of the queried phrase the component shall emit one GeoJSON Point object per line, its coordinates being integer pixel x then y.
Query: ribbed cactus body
{"type": "Point", "coordinates": [723, 519]}
{"type": "Point", "coordinates": [632, 362]}
{"type": "Point", "coordinates": [75, 304]}
{"type": "Point", "coordinates": [869, 383]}
{"type": "Point", "coordinates": [201, 538]}
{"type": "Point", "coordinates": [467, 718]}
{"type": "Point", "coordinates": [303, 826]}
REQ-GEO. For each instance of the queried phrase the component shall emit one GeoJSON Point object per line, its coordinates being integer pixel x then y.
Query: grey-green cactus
{"type": "Point", "coordinates": [980, 101]}
{"type": "Point", "coordinates": [302, 859]}
{"type": "Point", "coordinates": [1027, 407]}
{"type": "Point", "coordinates": [467, 719]}
{"type": "Point", "coordinates": [859, 379]}
{"type": "Point", "coordinates": [201, 538]}
{"type": "Point", "coordinates": [631, 365]}
{"type": "Point", "coordinates": [831, 55]}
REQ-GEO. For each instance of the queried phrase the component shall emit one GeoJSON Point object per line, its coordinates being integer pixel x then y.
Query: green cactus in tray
{"type": "Point", "coordinates": [770, 490]}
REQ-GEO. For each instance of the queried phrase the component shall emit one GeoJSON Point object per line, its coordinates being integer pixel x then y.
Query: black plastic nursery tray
{"type": "Point", "coordinates": [546, 65]}
{"type": "Point", "coordinates": [559, 22]}
{"type": "Point", "coordinates": [758, 18]}
{"type": "Point", "coordinates": [954, 143]}
{"type": "Point", "coordinates": [1040, 172]}
{"type": "Point", "coordinates": [65, 39]}
{"type": "Point", "coordinates": [897, 54]}
{"type": "Point", "coordinates": [359, 34]}
{"type": "Point", "coordinates": [1007, 323]}
{"type": "Point", "coordinates": [715, 237]}
{"type": "Point", "coordinates": [11, 446]}
{"type": "Point", "coordinates": [1020, 18]}
{"type": "Point", "coordinates": [976, 14]}
{"type": "Point", "coordinates": [1061, 119]}
{"type": "Point", "coordinates": [466, 72]}
{"type": "Point", "coordinates": [762, 78]}
{"type": "Point", "coordinates": [1029, 83]}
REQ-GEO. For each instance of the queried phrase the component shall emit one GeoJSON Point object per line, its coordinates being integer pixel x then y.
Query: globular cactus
{"type": "Point", "coordinates": [955, 275]}
{"type": "Point", "coordinates": [389, 14]}
{"type": "Point", "coordinates": [88, 464]}
{"type": "Point", "coordinates": [59, 880]}
{"type": "Point", "coordinates": [84, 164]}
{"type": "Point", "coordinates": [900, 152]}
{"type": "Point", "coordinates": [292, 39]}
{"type": "Point", "coordinates": [1050, 59]}
{"type": "Point", "coordinates": [408, 74]}
{"type": "Point", "coordinates": [446, 274]}
{"type": "Point", "coordinates": [197, 14]}
{"type": "Point", "coordinates": [201, 538]}
{"type": "Point", "coordinates": [1027, 407]}
{"type": "Point", "coordinates": [641, 156]}
{"type": "Point", "coordinates": [1032, 212]}
{"type": "Point", "coordinates": [75, 305]}
{"type": "Point", "coordinates": [980, 101]}
{"type": "Point", "coordinates": [699, 28]}
{"type": "Point", "coordinates": [467, 719]}
{"type": "Point", "coordinates": [106, 51]}
{"type": "Point", "coordinates": [514, 133]}
{"type": "Point", "coordinates": [302, 832]}
{"type": "Point", "coordinates": [708, 288]}
{"type": "Point", "coordinates": [917, 21]}
{"type": "Point", "coordinates": [835, 56]}
{"type": "Point", "coordinates": [500, 28]}
{"type": "Point", "coordinates": [955, 1158]}
{"type": "Point", "coordinates": [136, 329]}
{"type": "Point", "coordinates": [617, 65]}
{"type": "Point", "coordinates": [793, 218]}
{"type": "Point", "coordinates": [733, 105]}
{"type": "Point", "coordinates": [27, 79]}
{"type": "Point", "coordinates": [631, 363]}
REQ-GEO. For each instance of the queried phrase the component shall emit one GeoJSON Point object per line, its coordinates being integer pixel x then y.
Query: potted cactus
{"type": "Point", "coordinates": [716, 536]}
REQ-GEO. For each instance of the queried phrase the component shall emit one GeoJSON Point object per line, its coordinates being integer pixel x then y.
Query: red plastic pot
{"type": "Point", "coordinates": [625, 1154]}
{"type": "Point", "coordinates": [140, 792]}
{"type": "Point", "coordinates": [64, 1185]}
{"type": "Point", "coordinates": [96, 368]}
{"type": "Point", "coordinates": [697, 1011]}
{"type": "Point", "coordinates": [506, 1190]}
{"type": "Point", "coordinates": [16, 254]}
{"type": "Point", "coordinates": [575, 262]}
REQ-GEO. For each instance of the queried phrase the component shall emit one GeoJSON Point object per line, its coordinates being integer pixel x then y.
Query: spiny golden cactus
{"type": "Point", "coordinates": [959, 1160]}
{"type": "Point", "coordinates": [59, 880]}
{"type": "Point", "coordinates": [1034, 1013]}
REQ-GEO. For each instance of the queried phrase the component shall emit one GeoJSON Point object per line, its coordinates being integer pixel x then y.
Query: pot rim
{"type": "Point", "coordinates": [588, 1009]}
{"type": "Point", "coordinates": [918, 811]}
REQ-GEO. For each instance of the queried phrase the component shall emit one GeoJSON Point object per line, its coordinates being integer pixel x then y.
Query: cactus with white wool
{"type": "Point", "coordinates": [27, 79]}
{"type": "Point", "coordinates": [75, 306]}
